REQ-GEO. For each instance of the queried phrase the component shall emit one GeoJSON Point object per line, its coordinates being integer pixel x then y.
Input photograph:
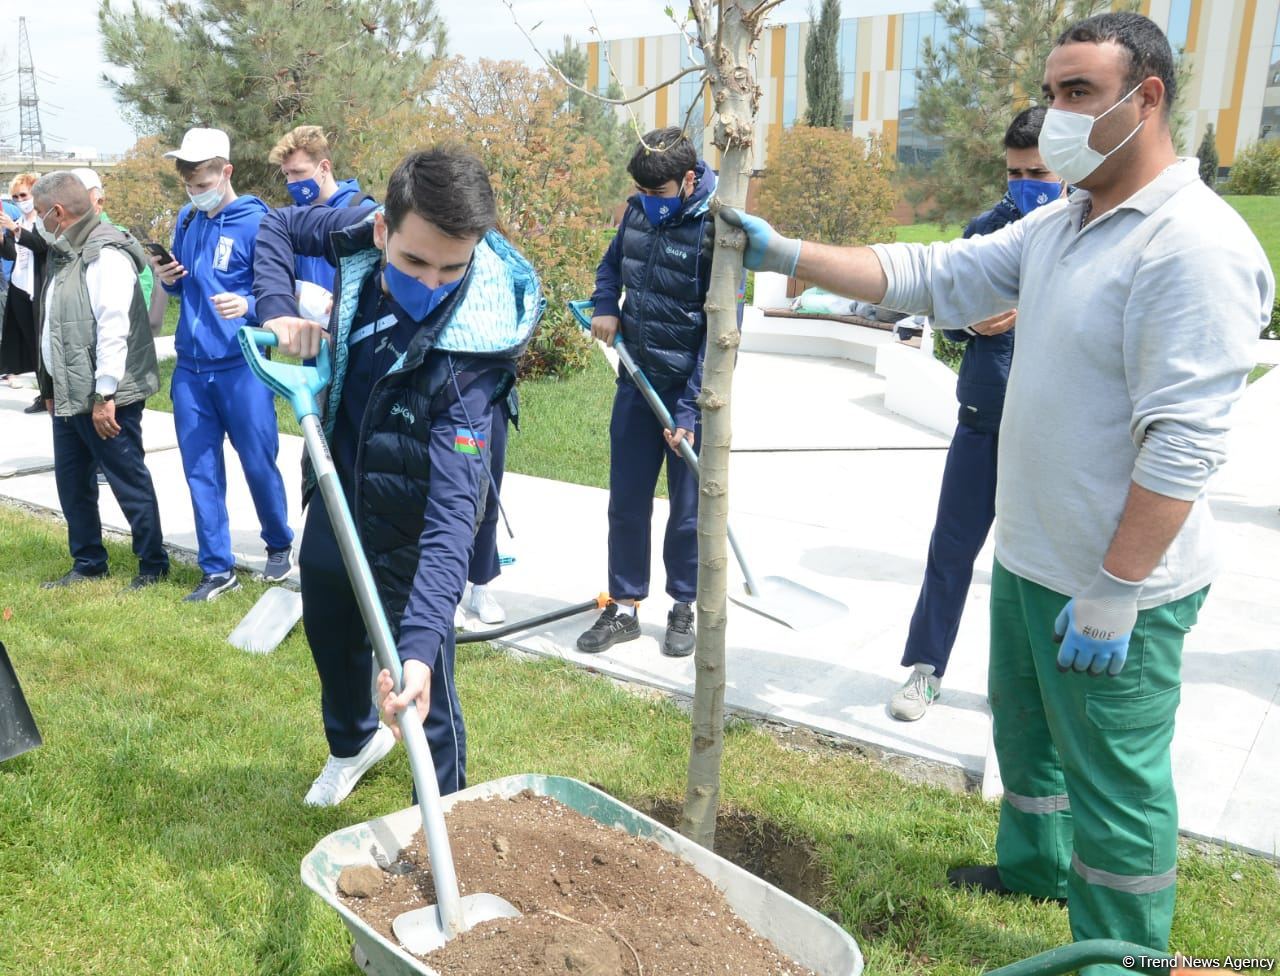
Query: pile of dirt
{"type": "Point", "coordinates": [595, 901]}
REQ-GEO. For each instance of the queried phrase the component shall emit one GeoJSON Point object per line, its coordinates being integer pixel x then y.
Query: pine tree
{"type": "Point", "coordinates": [1209, 158]}
{"type": "Point", "coordinates": [822, 69]}
{"type": "Point", "coordinates": [257, 68]}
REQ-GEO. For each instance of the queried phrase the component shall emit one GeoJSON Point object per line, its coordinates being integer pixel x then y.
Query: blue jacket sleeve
{"type": "Point", "coordinates": [609, 278]}
{"type": "Point", "coordinates": [457, 490]}
{"type": "Point", "coordinates": [284, 233]}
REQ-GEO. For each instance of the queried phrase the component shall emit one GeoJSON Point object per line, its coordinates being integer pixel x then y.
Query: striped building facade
{"type": "Point", "coordinates": [1233, 47]}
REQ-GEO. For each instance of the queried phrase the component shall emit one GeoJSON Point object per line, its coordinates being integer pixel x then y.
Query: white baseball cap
{"type": "Point", "coordinates": [201, 144]}
{"type": "Point", "coordinates": [88, 177]}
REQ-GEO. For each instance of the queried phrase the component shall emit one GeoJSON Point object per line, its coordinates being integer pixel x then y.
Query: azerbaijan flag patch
{"type": "Point", "coordinates": [466, 442]}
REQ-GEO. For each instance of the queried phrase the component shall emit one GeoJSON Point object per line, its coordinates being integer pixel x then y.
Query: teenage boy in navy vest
{"type": "Point", "coordinates": [661, 258]}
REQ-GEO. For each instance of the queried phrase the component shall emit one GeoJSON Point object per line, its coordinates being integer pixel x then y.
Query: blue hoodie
{"type": "Point", "coordinates": [218, 255]}
{"type": "Point", "coordinates": [316, 269]}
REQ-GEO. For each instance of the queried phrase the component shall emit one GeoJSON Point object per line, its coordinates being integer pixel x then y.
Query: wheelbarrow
{"type": "Point", "coordinates": [776, 597]}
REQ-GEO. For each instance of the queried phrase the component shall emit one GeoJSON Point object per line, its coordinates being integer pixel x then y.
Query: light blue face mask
{"type": "Point", "coordinates": [304, 192]}
{"type": "Point", "coordinates": [417, 299]}
{"type": "Point", "coordinates": [208, 200]}
{"type": "Point", "coordinates": [1029, 194]}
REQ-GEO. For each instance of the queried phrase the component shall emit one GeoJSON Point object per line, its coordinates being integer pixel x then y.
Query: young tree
{"type": "Point", "coordinates": [257, 68]}
{"type": "Point", "coordinates": [599, 121]}
{"type": "Point", "coordinates": [1209, 158]}
{"type": "Point", "coordinates": [143, 191]}
{"type": "Point", "coordinates": [971, 88]}
{"type": "Point", "coordinates": [822, 68]}
{"type": "Point", "coordinates": [809, 168]}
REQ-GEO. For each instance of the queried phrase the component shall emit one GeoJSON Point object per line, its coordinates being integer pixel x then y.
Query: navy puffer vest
{"type": "Point", "coordinates": [665, 272]}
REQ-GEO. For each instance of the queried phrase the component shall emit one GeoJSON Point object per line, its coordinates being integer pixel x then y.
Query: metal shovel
{"type": "Point", "coordinates": [18, 732]}
{"type": "Point", "coordinates": [429, 928]}
{"type": "Point", "coordinates": [775, 597]}
{"type": "Point", "coordinates": [269, 622]}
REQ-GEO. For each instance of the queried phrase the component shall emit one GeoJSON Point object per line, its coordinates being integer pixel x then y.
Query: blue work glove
{"type": "Point", "coordinates": [767, 250]}
{"type": "Point", "coordinates": [1095, 627]}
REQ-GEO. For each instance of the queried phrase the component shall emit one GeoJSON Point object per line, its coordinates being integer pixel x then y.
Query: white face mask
{"type": "Point", "coordinates": [1064, 141]}
{"type": "Point", "coordinates": [208, 200]}
{"type": "Point", "coordinates": [26, 206]}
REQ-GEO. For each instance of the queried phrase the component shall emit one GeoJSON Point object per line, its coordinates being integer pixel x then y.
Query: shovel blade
{"type": "Point", "coordinates": [269, 622]}
{"type": "Point", "coordinates": [423, 930]}
{"type": "Point", "coordinates": [789, 603]}
{"type": "Point", "coordinates": [18, 732]}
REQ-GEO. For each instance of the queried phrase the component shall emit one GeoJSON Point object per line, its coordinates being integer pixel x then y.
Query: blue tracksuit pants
{"type": "Point", "coordinates": [211, 406]}
{"type": "Point", "coordinates": [344, 660]}
{"type": "Point", "coordinates": [484, 567]}
{"type": "Point", "coordinates": [966, 509]}
{"type": "Point", "coordinates": [78, 452]}
{"type": "Point", "coordinates": [637, 450]}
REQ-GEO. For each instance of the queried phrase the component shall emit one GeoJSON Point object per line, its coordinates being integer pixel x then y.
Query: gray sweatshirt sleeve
{"type": "Point", "coordinates": [956, 282]}
{"type": "Point", "coordinates": [1190, 326]}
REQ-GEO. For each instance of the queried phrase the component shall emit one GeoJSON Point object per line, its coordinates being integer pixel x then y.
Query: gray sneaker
{"type": "Point", "coordinates": [211, 587]}
{"type": "Point", "coordinates": [913, 698]}
{"type": "Point", "coordinates": [279, 562]}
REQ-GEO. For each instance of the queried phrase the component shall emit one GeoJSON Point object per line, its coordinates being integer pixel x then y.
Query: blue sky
{"type": "Point", "coordinates": [80, 113]}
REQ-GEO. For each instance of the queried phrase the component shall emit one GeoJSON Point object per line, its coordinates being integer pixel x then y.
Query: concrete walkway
{"type": "Point", "coordinates": [841, 499]}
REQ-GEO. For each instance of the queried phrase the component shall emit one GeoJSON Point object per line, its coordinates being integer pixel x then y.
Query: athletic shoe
{"type": "Point", "coordinates": [484, 606]}
{"type": "Point", "coordinates": [211, 587]}
{"type": "Point", "coordinates": [279, 563]}
{"type": "Point", "coordinates": [610, 628]}
{"type": "Point", "coordinates": [911, 701]}
{"type": "Point", "coordinates": [143, 580]}
{"type": "Point", "coordinates": [986, 879]}
{"type": "Point", "coordinates": [71, 579]}
{"type": "Point", "coordinates": [37, 406]}
{"type": "Point", "coordinates": [340, 776]}
{"type": "Point", "coordinates": [680, 638]}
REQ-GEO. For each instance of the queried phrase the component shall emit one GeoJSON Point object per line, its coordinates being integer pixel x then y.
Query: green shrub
{"type": "Point", "coordinates": [1272, 331]}
{"type": "Point", "coordinates": [947, 352]}
{"type": "Point", "coordinates": [1256, 171]}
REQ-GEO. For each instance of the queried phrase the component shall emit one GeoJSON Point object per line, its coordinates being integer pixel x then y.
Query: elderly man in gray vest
{"type": "Point", "coordinates": [97, 366]}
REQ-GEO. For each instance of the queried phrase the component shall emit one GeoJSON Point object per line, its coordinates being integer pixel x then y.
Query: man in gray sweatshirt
{"type": "Point", "coordinates": [1139, 300]}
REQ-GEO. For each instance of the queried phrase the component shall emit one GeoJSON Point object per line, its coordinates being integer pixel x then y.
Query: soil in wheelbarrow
{"type": "Point", "coordinates": [595, 901]}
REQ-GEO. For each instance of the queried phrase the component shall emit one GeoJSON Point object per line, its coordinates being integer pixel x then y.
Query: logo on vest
{"type": "Point", "coordinates": [400, 410]}
{"type": "Point", "coordinates": [675, 252]}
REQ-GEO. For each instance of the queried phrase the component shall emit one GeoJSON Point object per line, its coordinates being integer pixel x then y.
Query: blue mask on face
{"type": "Point", "coordinates": [417, 299]}
{"type": "Point", "coordinates": [304, 192]}
{"type": "Point", "coordinates": [660, 209]}
{"type": "Point", "coordinates": [1029, 194]}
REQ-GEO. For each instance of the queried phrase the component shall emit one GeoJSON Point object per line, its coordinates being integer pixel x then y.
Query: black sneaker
{"type": "Point", "coordinates": [211, 587]}
{"type": "Point", "coordinates": [680, 637]}
{"type": "Point", "coordinates": [611, 628]}
{"type": "Point", "coordinates": [143, 580]}
{"type": "Point", "coordinates": [986, 878]}
{"type": "Point", "coordinates": [71, 579]}
{"type": "Point", "coordinates": [35, 407]}
{"type": "Point", "coordinates": [279, 562]}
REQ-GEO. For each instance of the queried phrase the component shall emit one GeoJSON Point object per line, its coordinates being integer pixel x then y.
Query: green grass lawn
{"type": "Point", "coordinates": [1263, 217]}
{"type": "Point", "coordinates": [927, 233]}
{"type": "Point", "coordinates": [160, 828]}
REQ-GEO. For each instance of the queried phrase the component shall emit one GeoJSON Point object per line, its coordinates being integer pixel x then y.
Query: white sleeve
{"type": "Point", "coordinates": [958, 282]}
{"type": "Point", "coordinates": [110, 280]}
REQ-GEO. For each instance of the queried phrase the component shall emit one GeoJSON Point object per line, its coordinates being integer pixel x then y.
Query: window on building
{"type": "Point", "coordinates": [1179, 24]}
{"type": "Point", "coordinates": [914, 147]}
{"type": "Point", "coordinates": [1270, 127]}
{"type": "Point", "coordinates": [790, 74]}
{"type": "Point", "coordinates": [848, 54]}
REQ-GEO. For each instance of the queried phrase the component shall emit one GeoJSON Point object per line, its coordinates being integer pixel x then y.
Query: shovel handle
{"type": "Point", "coordinates": [298, 384]}
{"type": "Point", "coordinates": [581, 310]}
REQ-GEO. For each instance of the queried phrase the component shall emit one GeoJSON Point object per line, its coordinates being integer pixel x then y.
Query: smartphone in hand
{"type": "Point", "coordinates": [159, 251]}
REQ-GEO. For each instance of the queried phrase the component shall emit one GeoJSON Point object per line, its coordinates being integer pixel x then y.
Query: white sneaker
{"type": "Point", "coordinates": [913, 698]}
{"type": "Point", "coordinates": [484, 606]}
{"type": "Point", "coordinates": [340, 776]}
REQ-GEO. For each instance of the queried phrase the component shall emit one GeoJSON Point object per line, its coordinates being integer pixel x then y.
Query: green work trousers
{"type": "Point", "coordinates": [1089, 811]}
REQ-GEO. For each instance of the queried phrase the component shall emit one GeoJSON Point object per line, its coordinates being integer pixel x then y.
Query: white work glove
{"type": "Point", "coordinates": [1095, 627]}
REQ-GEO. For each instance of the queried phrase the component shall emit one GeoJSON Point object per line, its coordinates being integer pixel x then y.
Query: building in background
{"type": "Point", "coordinates": [1233, 47]}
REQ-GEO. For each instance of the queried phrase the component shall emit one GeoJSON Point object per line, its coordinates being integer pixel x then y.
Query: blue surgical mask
{"type": "Point", "coordinates": [660, 209]}
{"type": "Point", "coordinates": [417, 299]}
{"type": "Point", "coordinates": [1029, 194]}
{"type": "Point", "coordinates": [208, 200]}
{"type": "Point", "coordinates": [304, 192]}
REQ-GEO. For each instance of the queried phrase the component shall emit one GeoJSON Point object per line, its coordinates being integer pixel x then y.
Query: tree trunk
{"type": "Point", "coordinates": [727, 44]}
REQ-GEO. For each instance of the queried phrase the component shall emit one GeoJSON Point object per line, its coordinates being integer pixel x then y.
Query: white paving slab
{"type": "Point", "coordinates": [854, 524]}
{"type": "Point", "coordinates": [28, 438]}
